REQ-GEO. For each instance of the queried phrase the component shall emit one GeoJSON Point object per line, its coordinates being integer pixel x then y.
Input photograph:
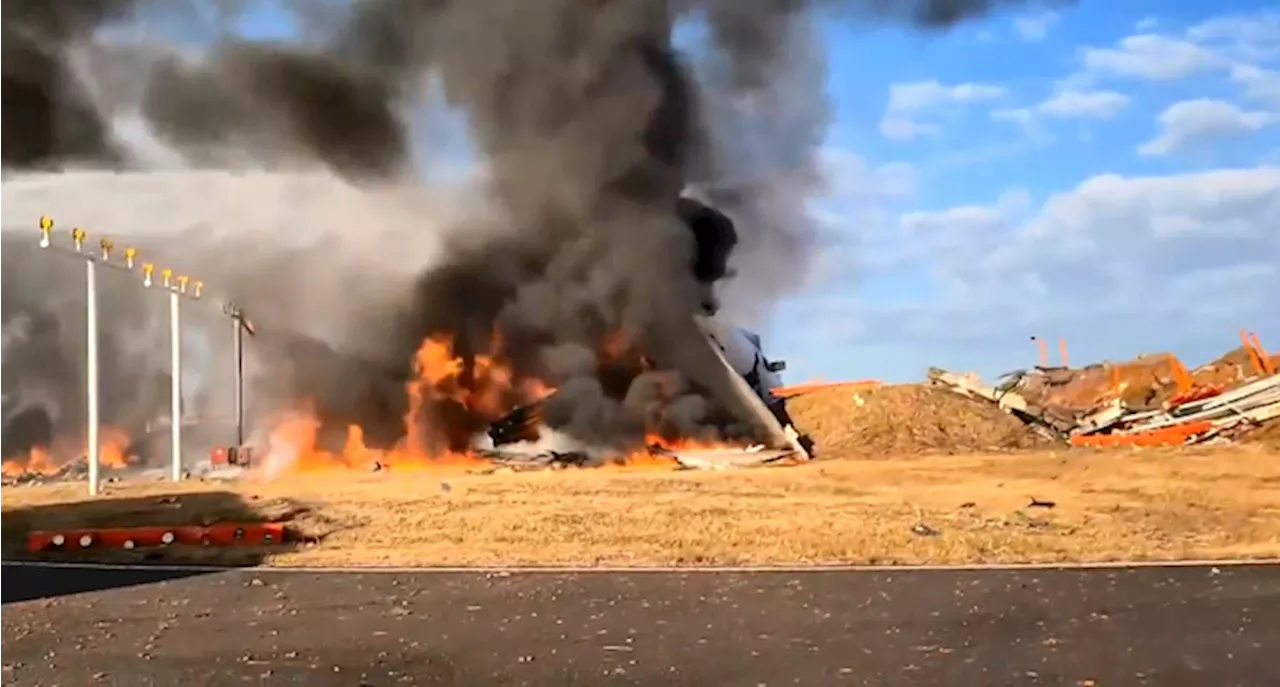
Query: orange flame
{"type": "Point", "coordinates": [42, 460]}
{"type": "Point", "coordinates": [484, 386]}
{"type": "Point", "coordinates": [649, 458]}
{"type": "Point", "coordinates": [38, 461]}
{"type": "Point", "coordinates": [113, 443]}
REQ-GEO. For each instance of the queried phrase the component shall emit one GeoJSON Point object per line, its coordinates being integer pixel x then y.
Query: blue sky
{"type": "Point", "coordinates": [1105, 172]}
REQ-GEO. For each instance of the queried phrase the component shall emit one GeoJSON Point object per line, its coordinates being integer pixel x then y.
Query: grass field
{"type": "Point", "coordinates": [1151, 504]}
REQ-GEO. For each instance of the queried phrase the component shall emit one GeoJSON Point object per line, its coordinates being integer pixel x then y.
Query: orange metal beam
{"type": "Point", "coordinates": [1181, 377]}
{"type": "Point", "coordinates": [1268, 365]}
{"type": "Point", "coordinates": [807, 387]}
{"type": "Point", "coordinates": [1044, 351]}
{"type": "Point", "coordinates": [1166, 436]}
{"type": "Point", "coordinates": [1254, 358]}
{"type": "Point", "coordinates": [1196, 394]}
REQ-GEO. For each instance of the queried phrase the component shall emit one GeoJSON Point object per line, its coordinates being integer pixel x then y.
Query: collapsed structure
{"type": "Point", "coordinates": [1151, 401]}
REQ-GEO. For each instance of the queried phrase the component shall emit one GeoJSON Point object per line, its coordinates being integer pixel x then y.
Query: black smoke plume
{"type": "Point", "coordinates": [589, 123]}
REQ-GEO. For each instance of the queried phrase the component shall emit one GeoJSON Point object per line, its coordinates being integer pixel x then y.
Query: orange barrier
{"type": "Point", "coordinates": [807, 387]}
{"type": "Point", "coordinates": [220, 534]}
{"type": "Point", "coordinates": [1175, 435]}
{"type": "Point", "coordinates": [1199, 393]}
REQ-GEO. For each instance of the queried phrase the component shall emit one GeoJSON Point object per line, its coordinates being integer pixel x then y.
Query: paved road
{"type": "Point", "coordinates": [1168, 627]}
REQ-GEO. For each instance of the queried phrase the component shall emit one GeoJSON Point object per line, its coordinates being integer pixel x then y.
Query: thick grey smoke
{"type": "Point", "coordinates": [592, 125]}
{"type": "Point", "coordinates": [589, 124]}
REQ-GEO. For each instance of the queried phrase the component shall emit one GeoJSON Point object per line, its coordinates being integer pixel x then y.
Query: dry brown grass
{"type": "Point", "coordinates": [1153, 504]}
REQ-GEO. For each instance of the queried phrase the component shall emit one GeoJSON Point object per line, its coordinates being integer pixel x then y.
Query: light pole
{"type": "Point", "coordinates": [78, 236]}
{"type": "Point", "coordinates": [177, 288]}
{"type": "Point", "coordinates": [175, 378]}
{"type": "Point", "coordinates": [92, 380]}
{"type": "Point", "coordinates": [240, 326]}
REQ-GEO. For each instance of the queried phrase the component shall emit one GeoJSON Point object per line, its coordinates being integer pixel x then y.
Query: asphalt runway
{"type": "Point", "coordinates": [1138, 626]}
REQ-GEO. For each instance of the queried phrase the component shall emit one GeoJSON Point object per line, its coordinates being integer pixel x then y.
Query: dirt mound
{"type": "Point", "coordinates": [1233, 368]}
{"type": "Point", "coordinates": [1267, 435]}
{"type": "Point", "coordinates": [905, 419]}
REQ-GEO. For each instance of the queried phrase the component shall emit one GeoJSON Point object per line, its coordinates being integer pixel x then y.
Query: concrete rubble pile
{"type": "Point", "coordinates": [1152, 401]}
{"type": "Point", "coordinates": [74, 470]}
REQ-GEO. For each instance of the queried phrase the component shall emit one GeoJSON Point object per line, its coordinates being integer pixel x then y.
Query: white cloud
{"type": "Point", "coordinates": [1034, 27]}
{"type": "Point", "coordinates": [1260, 28]}
{"type": "Point", "coordinates": [896, 180]}
{"type": "Point", "coordinates": [903, 129]}
{"type": "Point", "coordinates": [1084, 104]}
{"type": "Point", "coordinates": [1195, 123]}
{"type": "Point", "coordinates": [958, 221]}
{"type": "Point", "coordinates": [850, 178]}
{"type": "Point", "coordinates": [1024, 116]}
{"type": "Point", "coordinates": [859, 205]}
{"type": "Point", "coordinates": [1152, 56]}
{"type": "Point", "coordinates": [953, 230]}
{"type": "Point", "coordinates": [1068, 104]}
{"type": "Point", "coordinates": [914, 97]}
{"type": "Point", "coordinates": [908, 102]}
{"type": "Point", "coordinates": [1243, 45]}
{"type": "Point", "coordinates": [1118, 265]}
{"type": "Point", "coordinates": [1249, 37]}
{"type": "Point", "coordinates": [1261, 85]}
{"type": "Point", "coordinates": [1112, 207]}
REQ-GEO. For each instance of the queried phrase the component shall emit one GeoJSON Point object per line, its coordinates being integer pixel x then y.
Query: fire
{"type": "Point", "coordinates": [653, 456]}
{"type": "Point", "coordinates": [38, 461]}
{"type": "Point", "coordinates": [450, 398]}
{"type": "Point", "coordinates": [447, 390]}
{"type": "Point", "coordinates": [294, 448]}
{"type": "Point", "coordinates": [616, 346]}
{"type": "Point", "coordinates": [113, 445]}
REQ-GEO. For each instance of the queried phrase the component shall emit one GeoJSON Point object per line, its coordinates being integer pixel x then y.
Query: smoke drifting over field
{"type": "Point", "coordinates": [588, 124]}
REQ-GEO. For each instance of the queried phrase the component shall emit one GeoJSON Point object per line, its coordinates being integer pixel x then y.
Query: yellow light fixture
{"type": "Point", "coordinates": [46, 228]}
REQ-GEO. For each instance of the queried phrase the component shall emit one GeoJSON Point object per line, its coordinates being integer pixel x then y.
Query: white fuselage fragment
{"type": "Point", "coordinates": [742, 350]}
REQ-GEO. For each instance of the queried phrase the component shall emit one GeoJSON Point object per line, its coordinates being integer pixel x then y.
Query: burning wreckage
{"type": "Point", "coordinates": [472, 407]}
{"type": "Point", "coordinates": [591, 123]}
{"type": "Point", "coordinates": [731, 368]}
